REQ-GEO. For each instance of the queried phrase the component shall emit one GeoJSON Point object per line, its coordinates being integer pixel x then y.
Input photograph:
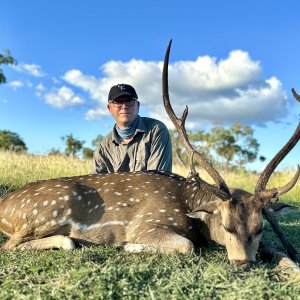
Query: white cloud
{"type": "Point", "coordinates": [32, 69]}
{"type": "Point", "coordinates": [63, 97]}
{"type": "Point", "coordinates": [93, 114]}
{"type": "Point", "coordinates": [39, 89]}
{"type": "Point", "coordinates": [16, 84]}
{"type": "Point", "coordinates": [231, 89]}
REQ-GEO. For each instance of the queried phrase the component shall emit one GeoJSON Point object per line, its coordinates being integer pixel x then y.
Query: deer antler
{"type": "Point", "coordinates": [260, 189]}
{"type": "Point", "coordinates": [296, 96]}
{"type": "Point", "coordinates": [180, 126]}
{"type": "Point", "coordinates": [262, 194]}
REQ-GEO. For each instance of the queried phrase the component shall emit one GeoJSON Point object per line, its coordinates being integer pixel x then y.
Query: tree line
{"type": "Point", "coordinates": [231, 147]}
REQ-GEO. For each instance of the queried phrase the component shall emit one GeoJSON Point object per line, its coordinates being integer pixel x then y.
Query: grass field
{"type": "Point", "coordinates": [106, 273]}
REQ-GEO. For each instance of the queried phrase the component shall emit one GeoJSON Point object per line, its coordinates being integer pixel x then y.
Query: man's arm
{"type": "Point", "coordinates": [99, 166]}
{"type": "Point", "coordinates": [161, 150]}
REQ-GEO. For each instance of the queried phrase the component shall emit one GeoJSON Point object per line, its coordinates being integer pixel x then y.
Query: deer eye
{"type": "Point", "coordinates": [230, 230]}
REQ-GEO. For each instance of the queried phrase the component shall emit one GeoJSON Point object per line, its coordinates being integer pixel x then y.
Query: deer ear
{"type": "Point", "coordinates": [280, 209]}
{"type": "Point", "coordinates": [205, 209]}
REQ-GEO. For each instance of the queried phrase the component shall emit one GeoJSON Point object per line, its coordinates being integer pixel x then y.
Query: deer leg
{"type": "Point", "coordinates": [292, 252]}
{"type": "Point", "coordinates": [51, 242]}
{"type": "Point", "coordinates": [160, 240]}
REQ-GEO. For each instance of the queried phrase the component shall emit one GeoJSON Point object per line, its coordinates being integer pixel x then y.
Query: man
{"type": "Point", "coordinates": [135, 143]}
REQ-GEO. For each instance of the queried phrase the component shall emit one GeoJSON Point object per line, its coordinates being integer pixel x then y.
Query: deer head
{"type": "Point", "coordinates": [234, 217]}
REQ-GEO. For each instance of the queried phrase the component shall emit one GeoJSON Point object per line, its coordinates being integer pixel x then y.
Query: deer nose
{"type": "Point", "coordinates": [244, 263]}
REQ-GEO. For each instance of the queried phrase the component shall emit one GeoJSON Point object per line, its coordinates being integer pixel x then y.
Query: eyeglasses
{"type": "Point", "coordinates": [119, 104]}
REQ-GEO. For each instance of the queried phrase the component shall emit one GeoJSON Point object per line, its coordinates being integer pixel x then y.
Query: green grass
{"type": "Point", "coordinates": [106, 273]}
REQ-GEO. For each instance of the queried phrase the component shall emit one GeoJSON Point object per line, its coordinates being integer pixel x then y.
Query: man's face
{"type": "Point", "coordinates": [124, 110]}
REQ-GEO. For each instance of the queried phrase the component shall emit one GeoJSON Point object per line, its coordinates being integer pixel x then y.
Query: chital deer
{"type": "Point", "coordinates": [149, 211]}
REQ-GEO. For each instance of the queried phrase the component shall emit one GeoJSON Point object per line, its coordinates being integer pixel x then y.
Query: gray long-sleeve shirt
{"type": "Point", "coordinates": [150, 149]}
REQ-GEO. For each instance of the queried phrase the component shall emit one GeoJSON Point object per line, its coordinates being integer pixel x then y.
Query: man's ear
{"type": "Point", "coordinates": [206, 209]}
{"type": "Point", "coordinates": [108, 107]}
{"type": "Point", "coordinates": [138, 105]}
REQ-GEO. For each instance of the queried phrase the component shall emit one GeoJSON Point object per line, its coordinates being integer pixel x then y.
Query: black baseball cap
{"type": "Point", "coordinates": [121, 90]}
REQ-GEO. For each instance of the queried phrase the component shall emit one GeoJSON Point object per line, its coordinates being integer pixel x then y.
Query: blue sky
{"type": "Point", "coordinates": [230, 61]}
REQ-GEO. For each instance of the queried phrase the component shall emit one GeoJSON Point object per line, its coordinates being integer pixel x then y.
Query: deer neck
{"type": "Point", "coordinates": [195, 195]}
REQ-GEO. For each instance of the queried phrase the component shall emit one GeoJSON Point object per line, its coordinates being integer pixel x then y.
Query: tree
{"type": "Point", "coordinates": [11, 141]}
{"type": "Point", "coordinates": [73, 146]}
{"type": "Point", "coordinates": [234, 144]}
{"type": "Point", "coordinates": [198, 139]}
{"type": "Point", "coordinates": [87, 152]}
{"type": "Point", "coordinates": [5, 59]}
{"type": "Point", "coordinates": [54, 152]}
{"type": "Point", "coordinates": [97, 140]}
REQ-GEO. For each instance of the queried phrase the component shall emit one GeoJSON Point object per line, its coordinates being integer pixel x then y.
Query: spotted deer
{"type": "Point", "coordinates": [143, 211]}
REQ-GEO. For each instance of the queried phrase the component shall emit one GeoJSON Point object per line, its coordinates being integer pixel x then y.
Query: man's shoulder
{"type": "Point", "coordinates": [107, 139]}
{"type": "Point", "coordinates": [152, 123]}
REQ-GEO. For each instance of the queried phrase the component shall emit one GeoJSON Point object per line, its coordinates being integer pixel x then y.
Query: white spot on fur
{"type": "Point", "coordinates": [117, 193]}
{"type": "Point", "coordinates": [55, 213]}
{"type": "Point", "coordinates": [4, 221]}
{"type": "Point", "coordinates": [171, 219]}
{"type": "Point", "coordinates": [35, 211]}
{"type": "Point", "coordinates": [45, 203]}
{"type": "Point", "coordinates": [53, 202]}
{"type": "Point", "coordinates": [162, 210]}
{"type": "Point", "coordinates": [66, 197]}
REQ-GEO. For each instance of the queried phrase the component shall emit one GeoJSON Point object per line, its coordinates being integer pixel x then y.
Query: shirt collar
{"type": "Point", "coordinates": [141, 127]}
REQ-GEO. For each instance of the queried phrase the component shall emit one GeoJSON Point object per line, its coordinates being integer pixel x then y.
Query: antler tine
{"type": "Point", "coordinates": [179, 124]}
{"type": "Point", "coordinates": [267, 172]}
{"type": "Point", "coordinates": [276, 192]}
{"type": "Point", "coordinates": [296, 96]}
